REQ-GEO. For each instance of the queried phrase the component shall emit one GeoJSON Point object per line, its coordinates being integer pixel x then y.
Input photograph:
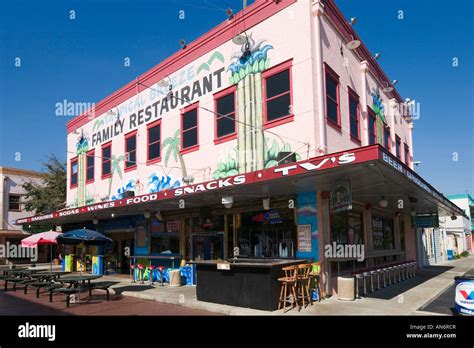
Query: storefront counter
{"type": "Point", "coordinates": [250, 283]}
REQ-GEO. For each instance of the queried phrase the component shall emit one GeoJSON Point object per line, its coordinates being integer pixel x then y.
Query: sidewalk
{"type": "Point", "coordinates": [404, 298]}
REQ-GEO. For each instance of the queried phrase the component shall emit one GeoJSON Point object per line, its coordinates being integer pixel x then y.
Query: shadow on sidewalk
{"type": "Point", "coordinates": [422, 275]}
{"type": "Point", "coordinates": [120, 289]}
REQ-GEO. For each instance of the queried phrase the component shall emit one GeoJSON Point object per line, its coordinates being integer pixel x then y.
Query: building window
{"type": "Point", "coordinates": [74, 171]}
{"type": "Point", "coordinates": [347, 227]}
{"type": "Point", "coordinates": [354, 115]}
{"type": "Point", "coordinates": [398, 146]}
{"type": "Point", "coordinates": [14, 203]}
{"type": "Point", "coordinates": [407, 155]}
{"type": "Point", "coordinates": [386, 138]}
{"type": "Point", "coordinates": [382, 233]}
{"type": "Point", "coordinates": [189, 128]}
{"type": "Point", "coordinates": [225, 114]}
{"type": "Point", "coordinates": [277, 93]}
{"type": "Point", "coordinates": [401, 226]}
{"type": "Point", "coordinates": [332, 96]}
{"type": "Point", "coordinates": [372, 127]}
{"type": "Point", "coordinates": [106, 160]}
{"type": "Point", "coordinates": [131, 150]}
{"type": "Point", "coordinates": [90, 160]}
{"type": "Point", "coordinates": [165, 237]}
{"type": "Point", "coordinates": [154, 142]}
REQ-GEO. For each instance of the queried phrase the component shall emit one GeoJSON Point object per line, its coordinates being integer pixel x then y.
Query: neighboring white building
{"type": "Point", "coordinates": [12, 202]}
{"type": "Point", "coordinates": [459, 230]}
{"type": "Point", "coordinates": [432, 245]}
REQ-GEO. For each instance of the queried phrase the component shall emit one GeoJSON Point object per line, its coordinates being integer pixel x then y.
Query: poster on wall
{"type": "Point", "coordinates": [304, 238]}
{"type": "Point", "coordinates": [341, 197]}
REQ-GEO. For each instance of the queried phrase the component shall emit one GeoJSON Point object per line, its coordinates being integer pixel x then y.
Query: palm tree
{"type": "Point", "coordinates": [115, 167]}
{"type": "Point", "coordinates": [173, 144]}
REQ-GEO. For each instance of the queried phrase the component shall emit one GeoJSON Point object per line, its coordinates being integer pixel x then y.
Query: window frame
{"type": "Point", "coordinates": [90, 153]}
{"type": "Point", "coordinates": [104, 146]}
{"type": "Point", "coordinates": [183, 111]}
{"type": "Point", "coordinates": [335, 77]}
{"type": "Point", "coordinates": [217, 96]}
{"type": "Point", "coordinates": [19, 202]}
{"type": "Point", "coordinates": [287, 65]}
{"type": "Point", "coordinates": [406, 154]}
{"type": "Point", "coordinates": [71, 161]}
{"type": "Point", "coordinates": [371, 114]}
{"type": "Point", "coordinates": [398, 147]}
{"type": "Point", "coordinates": [148, 127]}
{"type": "Point", "coordinates": [387, 139]}
{"type": "Point", "coordinates": [354, 95]}
{"type": "Point", "coordinates": [126, 137]}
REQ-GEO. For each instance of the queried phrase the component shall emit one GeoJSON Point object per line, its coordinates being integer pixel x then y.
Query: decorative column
{"type": "Point", "coordinates": [393, 111]}
{"type": "Point", "coordinates": [82, 147]}
{"type": "Point", "coordinates": [364, 67]}
{"type": "Point", "coordinates": [410, 143]}
{"type": "Point", "coordinates": [318, 11]}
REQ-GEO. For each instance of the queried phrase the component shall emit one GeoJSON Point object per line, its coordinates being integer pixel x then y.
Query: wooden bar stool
{"type": "Point", "coordinates": [288, 287]}
{"type": "Point", "coordinates": [302, 284]}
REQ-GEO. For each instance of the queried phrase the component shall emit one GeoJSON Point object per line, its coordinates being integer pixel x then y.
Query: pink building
{"type": "Point", "coordinates": [282, 102]}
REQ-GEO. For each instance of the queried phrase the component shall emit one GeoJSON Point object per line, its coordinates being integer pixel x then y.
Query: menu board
{"type": "Point", "coordinates": [304, 238]}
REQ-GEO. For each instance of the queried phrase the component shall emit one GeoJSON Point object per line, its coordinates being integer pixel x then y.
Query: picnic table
{"type": "Point", "coordinates": [75, 280]}
{"type": "Point", "coordinates": [48, 275]}
{"type": "Point", "coordinates": [6, 271]}
{"type": "Point", "coordinates": [77, 283]}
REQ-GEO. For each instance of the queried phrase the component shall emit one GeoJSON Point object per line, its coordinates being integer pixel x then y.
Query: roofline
{"type": "Point", "coordinates": [461, 196]}
{"type": "Point", "coordinates": [345, 29]}
{"type": "Point", "coordinates": [256, 13]}
{"type": "Point", "coordinates": [21, 172]}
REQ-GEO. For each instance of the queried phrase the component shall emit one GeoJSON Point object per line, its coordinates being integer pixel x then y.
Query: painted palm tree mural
{"type": "Point", "coordinates": [379, 110]}
{"type": "Point", "coordinates": [230, 166]}
{"type": "Point", "coordinates": [173, 144]}
{"type": "Point", "coordinates": [246, 72]}
{"type": "Point", "coordinates": [114, 168]}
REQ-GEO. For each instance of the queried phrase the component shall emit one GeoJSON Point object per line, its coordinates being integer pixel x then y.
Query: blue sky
{"type": "Point", "coordinates": [81, 60]}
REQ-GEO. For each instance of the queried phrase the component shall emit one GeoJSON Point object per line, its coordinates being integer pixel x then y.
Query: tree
{"type": "Point", "coordinates": [49, 195]}
{"type": "Point", "coordinates": [173, 148]}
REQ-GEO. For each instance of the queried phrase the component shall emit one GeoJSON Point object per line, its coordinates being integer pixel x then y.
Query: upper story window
{"type": "Point", "coordinates": [14, 203]}
{"type": "Point", "coordinates": [277, 94]}
{"type": "Point", "coordinates": [131, 150]}
{"type": "Point", "coordinates": [372, 127]}
{"type": "Point", "coordinates": [189, 128]}
{"type": "Point", "coordinates": [90, 161]}
{"type": "Point", "coordinates": [74, 171]}
{"type": "Point", "coordinates": [106, 160]}
{"type": "Point", "coordinates": [398, 147]}
{"type": "Point", "coordinates": [354, 115]}
{"type": "Point", "coordinates": [154, 141]}
{"type": "Point", "coordinates": [407, 155]}
{"type": "Point", "coordinates": [225, 114]}
{"type": "Point", "coordinates": [332, 96]}
{"type": "Point", "coordinates": [386, 138]}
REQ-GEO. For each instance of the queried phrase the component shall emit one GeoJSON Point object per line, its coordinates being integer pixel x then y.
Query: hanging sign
{"type": "Point", "coordinates": [426, 220]}
{"type": "Point", "coordinates": [341, 197]}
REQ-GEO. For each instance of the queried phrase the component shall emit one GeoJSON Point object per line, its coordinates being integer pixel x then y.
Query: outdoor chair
{"type": "Point", "coordinates": [288, 286]}
{"type": "Point", "coordinates": [302, 284]}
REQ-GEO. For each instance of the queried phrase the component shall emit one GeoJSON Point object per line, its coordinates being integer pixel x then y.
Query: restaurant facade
{"type": "Point", "coordinates": [274, 135]}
